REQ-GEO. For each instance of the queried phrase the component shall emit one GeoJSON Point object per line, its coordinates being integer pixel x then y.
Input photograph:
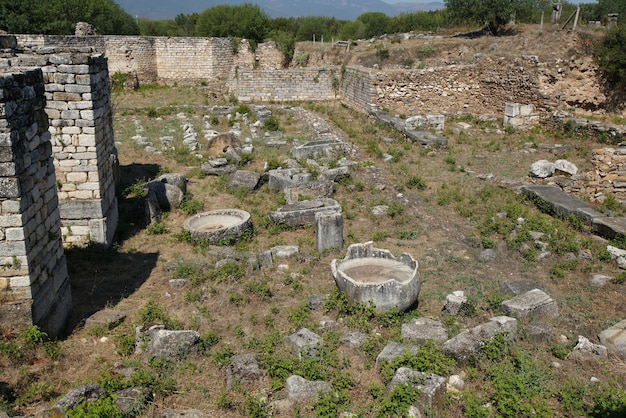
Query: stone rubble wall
{"type": "Point", "coordinates": [608, 176]}
{"type": "Point", "coordinates": [445, 89]}
{"type": "Point", "coordinates": [287, 85]}
{"type": "Point", "coordinates": [78, 106]}
{"type": "Point", "coordinates": [34, 282]}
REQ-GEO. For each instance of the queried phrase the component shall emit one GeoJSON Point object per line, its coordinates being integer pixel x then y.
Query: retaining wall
{"type": "Point", "coordinates": [286, 85]}
{"type": "Point", "coordinates": [34, 282]}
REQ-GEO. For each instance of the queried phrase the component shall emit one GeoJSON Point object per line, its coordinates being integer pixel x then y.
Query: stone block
{"type": "Point", "coordinates": [432, 388]}
{"type": "Point", "coordinates": [614, 338]}
{"type": "Point", "coordinates": [534, 305]}
{"type": "Point", "coordinates": [421, 330]}
{"type": "Point", "coordinates": [328, 231]}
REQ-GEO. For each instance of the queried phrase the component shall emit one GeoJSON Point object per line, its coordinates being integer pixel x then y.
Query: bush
{"type": "Point", "coordinates": [272, 124]}
{"type": "Point", "coordinates": [610, 55]}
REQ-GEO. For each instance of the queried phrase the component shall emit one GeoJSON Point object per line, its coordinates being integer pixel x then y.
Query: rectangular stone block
{"type": "Point", "coordinates": [10, 188]}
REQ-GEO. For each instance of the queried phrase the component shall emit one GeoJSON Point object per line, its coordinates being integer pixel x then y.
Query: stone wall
{"type": "Point", "coordinates": [608, 176]}
{"type": "Point", "coordinates": [286, 85]}
{"type": "Point", "coordinates": [78, 106]}
{"type": "Point", "coordinates": [34, 282]}
{"type": "Point", "coordinates": [131, 55]}
{"type": "Point", "coordinates": [358, 89]}
{"type": "Point", "coordinates": [193, 59]}
{"type": "Point", "coordinates": [152, 59]}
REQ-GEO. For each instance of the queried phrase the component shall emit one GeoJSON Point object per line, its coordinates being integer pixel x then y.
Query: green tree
{"type": "Point", "coordinates": [242, 21]}
{"type": "Point", "coordinates": [186, 23]}
{"type": "Point", "coordinates": [59, 17]}
{"type": "Point", "coordinates": [376, 23]}
{"type": "Point", "coordinates": [610, 55]}
{"type": "Point", "coordinates": [491, 14]}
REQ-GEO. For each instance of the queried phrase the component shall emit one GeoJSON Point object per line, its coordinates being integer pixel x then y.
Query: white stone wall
{"type": "Point", "coordinates": [79, 109]}
{"type": "Point", "coordinates": [34, 283]}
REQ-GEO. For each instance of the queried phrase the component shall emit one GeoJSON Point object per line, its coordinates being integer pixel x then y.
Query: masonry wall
{"type": "Point", "coordinates": [78, 105]}
{"type": "Point", "coordinates": [34, 283]}
{"type": "Point", "coordinates": [608, 176]}
{"type": "Point", "coordinates": [285, 85]}
{"type": "Point", "coordinates": [151, 59]}
{"type": "Point", "coordinates": [81, 123]}
{"type": "Point", "coordinates": [193, 59]}
{"type": "Point", "coordinates": [130, 54]}
{"type": "Point", "coordinates": [357, 88]}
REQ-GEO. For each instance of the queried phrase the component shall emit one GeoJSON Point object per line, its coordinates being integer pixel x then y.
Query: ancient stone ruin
{"type": "Point", "coordinates": [34, 283]}
{"type": "Point", "coordinates": [58, 164]}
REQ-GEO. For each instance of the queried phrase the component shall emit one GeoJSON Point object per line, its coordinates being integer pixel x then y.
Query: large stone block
{"type": "Point", "coordinates": [534, 305]}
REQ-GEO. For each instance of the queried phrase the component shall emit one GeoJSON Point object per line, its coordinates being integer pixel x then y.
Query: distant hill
{"type": "Point", "coordinates": [340, 9]}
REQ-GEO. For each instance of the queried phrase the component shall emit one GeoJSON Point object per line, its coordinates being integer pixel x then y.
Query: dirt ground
{"type": "Point", "coordinates": [439, 223]}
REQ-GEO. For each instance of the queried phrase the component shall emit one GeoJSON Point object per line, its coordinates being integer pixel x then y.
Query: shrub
{"type": "Point", "coordinates": [610, 55]}
{"type": "Point", "coordinates": [272, 123]}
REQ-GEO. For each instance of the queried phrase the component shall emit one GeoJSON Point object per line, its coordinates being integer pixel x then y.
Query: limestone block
{"type": "Point", "coordinates": [535, 305]}
{"type": "Point", "coordinates": [586, 350]}
{"type": "Point", "coordinates": [300, 389]}
{"type": "Point", "coordinates": [614, 338]}
{"type": "Point", "coordinates": [421, 330]}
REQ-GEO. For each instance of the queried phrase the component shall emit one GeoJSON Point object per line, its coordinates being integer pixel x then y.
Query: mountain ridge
{"type": "Point", "coordinates": [340, 9]}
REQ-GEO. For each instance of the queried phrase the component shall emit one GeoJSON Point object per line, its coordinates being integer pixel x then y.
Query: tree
{"type": "Point", "coordinates": [376, 23]}
{"type": "Point", "coordinates": [59, 17]}
{"type": "Point", "coordinates": [491, 14]}
{"type": "Point", "coordinates": [610, 55]}
{"type": "Point", "coordinates": [242, 21]}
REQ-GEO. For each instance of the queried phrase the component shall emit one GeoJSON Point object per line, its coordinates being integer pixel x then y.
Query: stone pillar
{"type": "Point", "coordinates": [328, 230]}
{"type": "Point", "coordinates": [85, 157]}
{"type": "Point", "coordinates": [34, 283]}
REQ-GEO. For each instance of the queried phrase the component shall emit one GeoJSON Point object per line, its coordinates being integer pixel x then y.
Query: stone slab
{"type": "Point", "coordinates": [555, 200]}
{"type": "Point", "coordinates": [108, 319]}
{"type": "Point", "coordinates": [517, 287]}
{"type": "Point", "coordinates": [535, 305]}
{"type": "Point", "coordinates": [610, 227]}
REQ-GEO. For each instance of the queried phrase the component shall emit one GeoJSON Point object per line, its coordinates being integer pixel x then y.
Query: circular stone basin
{"type": "Point", "coordinates": [219, 225]}
{"type": "Point", "coordinates": [372, 275]}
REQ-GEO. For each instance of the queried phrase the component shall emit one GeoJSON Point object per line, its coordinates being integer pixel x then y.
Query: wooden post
{"type": "Point", "coordinates": [576, 18]}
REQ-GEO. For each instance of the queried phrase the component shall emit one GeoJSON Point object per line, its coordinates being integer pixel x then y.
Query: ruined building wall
{"type": "Point", "coordinates": [357, 88]}
{"type": "Point", "coordinates": [78, 107]}
{"type": "Point", "coordinates": [131, 54]}
{"type": "Point", "coordinates": [34, 283]}
{"type": "Point", "coordinates": [608, 176]}
{"type": "Point", "coordinates": [81, 124]}
{"type": "Point", "coordinates": [286, 85]}
{"type": "Point", "coordinates": [193, 59]}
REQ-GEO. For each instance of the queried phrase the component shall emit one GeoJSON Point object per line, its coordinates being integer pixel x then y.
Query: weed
{"type": "Point", "coordinates": [416, 182]}
{"type": "Point", "coordinates": [157, 228]}
{"type": "Point", "coordinates": [428, 359]}
{"type": "Point", "coordinates": [259, 288]}
{"type": "Point", "coordinates": [397, 404]}
{"type": "Point", "coordinates": [153, 312]}
{"type": "Point", "coordinates": [102, 407]}
{"type": "Point", "coordinates": [299, 315]}
{"type": "Point", "coordinates": [189, 205]}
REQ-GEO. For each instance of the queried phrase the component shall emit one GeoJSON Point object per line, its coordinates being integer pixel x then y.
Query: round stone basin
{"type": "Point", "coordinates": [221, 225]}
{"type": "Point", "coordinates": [372, 275]}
